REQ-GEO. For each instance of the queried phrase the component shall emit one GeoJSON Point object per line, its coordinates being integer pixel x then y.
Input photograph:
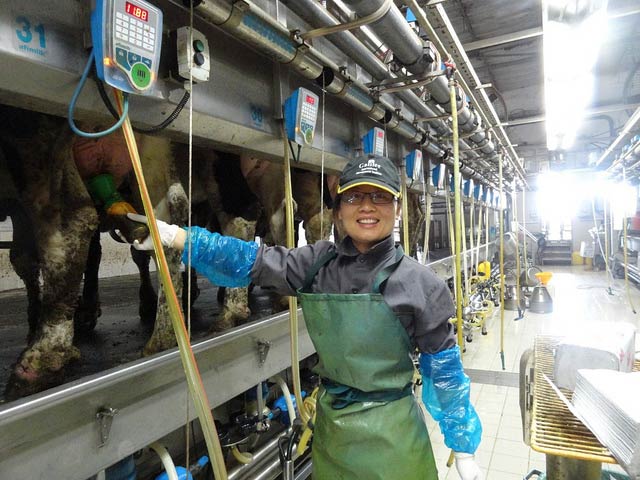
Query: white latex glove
{"type": "Point", "coordinates": [167, 233]}
{"type": "Point", "coordinates": [467, 467]}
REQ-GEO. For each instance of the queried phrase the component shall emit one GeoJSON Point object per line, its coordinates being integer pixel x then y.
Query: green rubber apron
{"type": "Point", "coordinates": [368, 424]}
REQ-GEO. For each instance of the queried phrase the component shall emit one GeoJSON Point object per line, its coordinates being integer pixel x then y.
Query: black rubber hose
{"type": "Point", "coordinates": [151, 130]}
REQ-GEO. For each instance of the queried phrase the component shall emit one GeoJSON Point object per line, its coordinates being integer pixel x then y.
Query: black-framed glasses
{"type": "Point", "coordinates": [377, 198]}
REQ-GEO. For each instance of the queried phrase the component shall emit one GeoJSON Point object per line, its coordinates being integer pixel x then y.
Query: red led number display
{"type": "Point", "coordinates": [136, 11]}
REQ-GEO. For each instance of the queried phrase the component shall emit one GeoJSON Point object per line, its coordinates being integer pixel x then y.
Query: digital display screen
{"type": "Point", "coordinates": [136, 11]}
{"type": "Point", "coordinates": [310, 100]}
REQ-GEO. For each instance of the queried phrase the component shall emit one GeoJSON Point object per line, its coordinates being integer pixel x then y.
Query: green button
{"type": "Point", "coordinates": [198, 45]}
{"type": "Point", "coordinates": [308, 136]}
{"type": "Point", "coordinates": [140, 76]}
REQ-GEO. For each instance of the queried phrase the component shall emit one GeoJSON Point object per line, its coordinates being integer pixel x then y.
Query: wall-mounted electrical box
{"type": "Point", "coordinates": [193, 54]}
{"type": "Point", "coordinates": [373, 142]}
{"type": "Point", "coordinates": [438, 176]}
{"type": "Point", "coordinates": [487, 195]}
{"type": "Point", "coordinates": [300, 116]}
{"type": "Point", "coordinates": [478, 191]}
{"type": "Point", "coordinates": [467, 189]}
{"type": "Point", "coordinates": [413, 164]}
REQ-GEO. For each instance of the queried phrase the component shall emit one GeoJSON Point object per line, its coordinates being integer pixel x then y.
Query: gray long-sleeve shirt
{"type": "Point", "coordinates": [418, 297]}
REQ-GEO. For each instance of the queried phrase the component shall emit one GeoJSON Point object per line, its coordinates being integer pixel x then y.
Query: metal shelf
{"type": "Point", "coordinates": [56, 435]}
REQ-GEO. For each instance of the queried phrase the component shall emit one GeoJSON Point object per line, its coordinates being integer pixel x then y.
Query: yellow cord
{"type": "Point", "coordinates": [293, 301]}
{"type": "Point", "coordinates": [310, 403]}
{"type": "Point", "coordinates": [405, 210]}
{"type": "Point", "coordinates": [194, 381]}
{"type": "Point", "coordinates": [458, 211]}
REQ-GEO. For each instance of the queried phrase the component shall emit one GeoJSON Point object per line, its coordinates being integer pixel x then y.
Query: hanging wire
{"type": "Point", "coordinates": [427, 217]}
{"type": "Point", "coordinates": [525, 232]}
{"type": "Point", "coordinates": [386, 145]}
{"type": "Point", "coordinates": [324, 91]}
{"type": "Point", "coordinates": [501, 233]}
{"type": "Point", "coordinates": [189, 198]}
{"type": "Point", "coordinates": [514, 200]}
{"type": "Point", "coordinates": [607, 268]}
{"type": "Point", "coordinates": [472, 221]}
{"type": "Point", "coordinates": [624, 245]}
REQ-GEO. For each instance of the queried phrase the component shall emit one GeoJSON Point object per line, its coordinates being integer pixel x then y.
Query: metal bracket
{"type": "Point", "coordinates": [105, 419]}
{"type": "Point", "coordinates": [238, 9]}
{"type": "Point", "coordinates": [263, 350]}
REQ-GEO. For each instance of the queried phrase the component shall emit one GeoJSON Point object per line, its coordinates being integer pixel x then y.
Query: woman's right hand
{"type": "Point", "coordinates": [167, 233]}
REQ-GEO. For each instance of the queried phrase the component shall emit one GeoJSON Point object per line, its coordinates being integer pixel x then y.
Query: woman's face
{"type": "Point", "coordinates": [367, 222]}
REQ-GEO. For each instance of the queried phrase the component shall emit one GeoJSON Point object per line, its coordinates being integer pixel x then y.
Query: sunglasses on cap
{"type": "Point", "coordinates": [377, 198]}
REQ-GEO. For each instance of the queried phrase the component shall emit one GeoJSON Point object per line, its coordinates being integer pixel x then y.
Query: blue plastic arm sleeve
{"type": "Point", "coordinates": [445, 393]}
{"type": "Point", "coordinates": [225, 261]}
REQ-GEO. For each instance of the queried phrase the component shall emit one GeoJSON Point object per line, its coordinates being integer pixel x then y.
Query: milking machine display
{"type": "Point", "coordinates": [203, 94]}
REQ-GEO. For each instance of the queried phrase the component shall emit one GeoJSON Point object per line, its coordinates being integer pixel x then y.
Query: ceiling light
{"type": "Point", "coordinates": [573, 33]}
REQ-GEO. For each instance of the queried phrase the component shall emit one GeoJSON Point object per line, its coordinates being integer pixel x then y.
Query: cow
{"type": "Point", "coordinates": [41, 153]}
{"type": "Point", "coordinates": [61, 222]}
{"type": "Point", "coordinates": [62, 217]}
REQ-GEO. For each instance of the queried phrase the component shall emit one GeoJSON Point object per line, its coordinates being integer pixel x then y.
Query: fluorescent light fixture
{"type": "Point", "coordinates": [573, 32]}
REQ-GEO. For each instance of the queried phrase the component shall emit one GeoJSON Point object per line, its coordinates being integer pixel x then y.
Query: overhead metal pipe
{"type": "Point", "coordinates": [409, 50]}
{"type": "Point", "coordinates": [313, 13]}
{"type": "Point", "coordinates": [393, 28]}
{"type": "Point", "coordinates": [255, 27]}
{"type": "Point", "coordinates": [628, 126]}
{"type": "Point", "coordinates": [316, 15]}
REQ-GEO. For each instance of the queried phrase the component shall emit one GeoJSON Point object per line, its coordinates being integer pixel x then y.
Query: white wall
{"type": "Point", "coordinates": [116, 260]}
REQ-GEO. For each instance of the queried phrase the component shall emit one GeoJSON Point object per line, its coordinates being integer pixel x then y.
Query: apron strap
{"type": "Point", "coordinates": [384, 274]}
{"type": "Point", "coordinates": [315, 268]}
{"type": "Point", "coordinates": [345, 395]}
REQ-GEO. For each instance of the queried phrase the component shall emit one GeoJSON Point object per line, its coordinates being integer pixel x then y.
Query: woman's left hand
{"type": "Point", "coordinates": [467, 467]}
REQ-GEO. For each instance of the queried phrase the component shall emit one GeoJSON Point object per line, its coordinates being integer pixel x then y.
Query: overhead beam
{"type": "Point", "coordinates": [536, 32]}
{"type": "Point", "coordinates": [502, 39]}
{"type": "Point", "coordinates": [615, 107]}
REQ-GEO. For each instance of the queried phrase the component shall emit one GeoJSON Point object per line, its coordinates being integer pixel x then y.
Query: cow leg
{"type": "Point", "coordinates": [235, 309]}
{"type": "Point", "coordinates": [163, 336]}
{"type": "Point", "coordinates": [318, 226]}
{"type": "Point", "coordinates": [148, 306]}
{"type": "Point", "coordinates": [64, 218]}
{"type": "Point", "coordinates": [24, 259]}
{"type": "Point", "coordinates": [88, 311]}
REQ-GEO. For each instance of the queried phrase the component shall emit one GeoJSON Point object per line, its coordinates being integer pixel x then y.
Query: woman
{"type": "Point", "coordinates": [367, 307]}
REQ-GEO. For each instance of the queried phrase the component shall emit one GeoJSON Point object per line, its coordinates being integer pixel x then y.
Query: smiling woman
{"type": "Point", "coordinates": [367, 214]}
{"type": "Point", "coordinates": [367, 308]}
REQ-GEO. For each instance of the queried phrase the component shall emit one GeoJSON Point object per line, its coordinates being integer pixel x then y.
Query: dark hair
{"type": "Point", "coordinates": [337, 224]}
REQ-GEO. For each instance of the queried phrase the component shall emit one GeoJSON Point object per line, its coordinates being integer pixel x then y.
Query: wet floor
{"type": "Point", "coordinates": [119, 336]}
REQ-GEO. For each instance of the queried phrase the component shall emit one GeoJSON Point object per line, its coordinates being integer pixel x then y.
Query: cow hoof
{"type": "Point", "coordinates": [36, 371]}
{"type": "Point", "coordinates": [280, 304]}
{"type": "Point", "coordinates": [148, 312]}
{"type": "Point", "coordinates": [229, 318]}
{"type": "Point", "coordinates": [86, 317]}
{"type": "Point", "coordinates": [159, 343]}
